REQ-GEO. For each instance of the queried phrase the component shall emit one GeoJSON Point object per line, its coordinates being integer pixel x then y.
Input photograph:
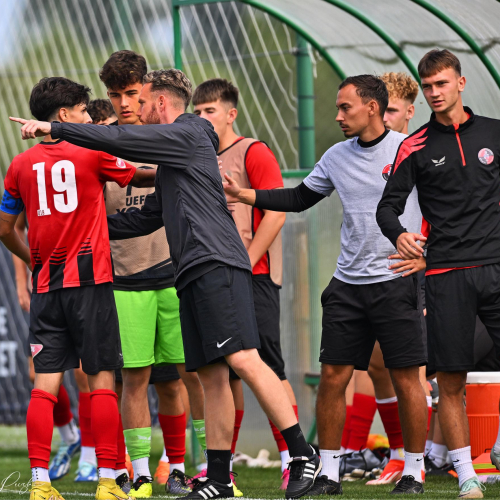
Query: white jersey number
{"type": "Point", "coordinates": [62, 203]}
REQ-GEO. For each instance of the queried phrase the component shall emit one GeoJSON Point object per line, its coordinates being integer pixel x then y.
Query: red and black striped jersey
{"type": "Point", "coordinates": [61, 186]}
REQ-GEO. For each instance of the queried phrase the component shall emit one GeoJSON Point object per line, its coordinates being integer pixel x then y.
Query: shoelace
{"type": "Point", "coordinates": [63, 450]}
{"type": "Point", "coordinates": [473, 483]}
{"type": "Point", "coordinates": [296, 467]}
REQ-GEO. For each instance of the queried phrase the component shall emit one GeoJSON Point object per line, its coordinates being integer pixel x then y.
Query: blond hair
{"type": "Point", "coordinates": [173, 81]}
{"type": "Point", "coordinates": [400, 86]}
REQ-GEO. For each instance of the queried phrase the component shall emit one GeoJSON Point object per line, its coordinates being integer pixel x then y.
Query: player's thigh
{"type": "Point", "coordinates": [137, 312]}
{"type": "Point", "coordinates": [93, 323]}
{"type": "Point", "coordinates": [451, 301]}
{"type": "Point", "coordinates": [346, 338]}
{"type": "Point", "coordinates": [168, 342]}
{"type": "Point", "coordinates": [52, 347]}
{"type": "Point", "coordinates": [395, 311]}
{"type": "Point", "coordinates": [267, 313]}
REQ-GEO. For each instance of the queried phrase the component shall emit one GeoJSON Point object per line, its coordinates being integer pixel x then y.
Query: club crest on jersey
{"type": "Point", "coordinates": [386, 171]}
{"type": "Point", "coordinates": [486, 156]}
{"type": "Point", "coordinates": [35, 349]}
{"type": "Point", "coordinates": [120, 163]}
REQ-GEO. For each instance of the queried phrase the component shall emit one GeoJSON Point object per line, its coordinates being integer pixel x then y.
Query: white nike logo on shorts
{"type": "Point", "coordinates": [220, 345]}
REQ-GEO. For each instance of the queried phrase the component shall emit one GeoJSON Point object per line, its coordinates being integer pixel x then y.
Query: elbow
{"type": "Point", "coordinates": [281, 218]}
{"type": "Point", "coordinates": [5, 231]}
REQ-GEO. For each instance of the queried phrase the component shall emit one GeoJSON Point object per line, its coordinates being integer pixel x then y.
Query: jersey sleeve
{"type": "Point", "coordinates": [11, 202]}
{"type": "Point", "coordinates": [262, 167]}
{"type": "Point", "coordinates": [399, 186]}
{"type": "Point", "coordinates": [115, 169]}
{"type": "Point", "coordinates": [319, 180]}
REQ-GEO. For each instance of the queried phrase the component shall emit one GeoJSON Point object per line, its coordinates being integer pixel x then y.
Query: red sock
{"type": "Point", "coordinates": [390, 418]}
{"type": "Point", "coordinates": [62, 409]}
{"type": "Point", "coordinates": [296, 411]}
{"type": "Point", "coordinates": [429, 416]}
{"type": "Point", "coordinates": [347, 427]}
{"type": "Point", "coordinates": [105, 422]}
{"type": "Point", "coordinates": [120, 443]}
{"type": "Point", "coordinates": [84, 417]}
{"type": "Point", "coordinates": [39, 427]}
{"type": "Point", "coordinates": [238, 417]}
{"type": "Point", "coordinates": [174, 436]}
{"type": "Point", "coordinates": [362, 413]}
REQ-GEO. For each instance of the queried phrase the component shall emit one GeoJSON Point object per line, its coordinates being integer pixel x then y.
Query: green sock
{"type": "Point", "coordinates": [138, 442]}
{"type": "Point", "coordinates": [199, 428]}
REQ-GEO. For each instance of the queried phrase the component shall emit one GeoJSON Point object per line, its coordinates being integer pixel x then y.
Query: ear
{"type": "Point", "coordinates": [410, 112]}
{"type": "Point", "coordinates": [232, 114]}
{"type": "Point", "coordinates": [161, 101]}
{"type": "Point", "coordinates": [461, 83]}
{"type": "Point", "coordinates": [63, 115]}
{"type": "Point", "coordinates": [373, 108]}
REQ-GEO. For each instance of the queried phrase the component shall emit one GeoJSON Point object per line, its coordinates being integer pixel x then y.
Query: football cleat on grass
{"type": "Point", "coordinates": [325, 486]}
{"type": "Point", "coordinates": [203, 473]}
{"type": "Point", "coordinates": [43, 490]}
{"type": "Point", "coordinates": [205, 488]}
{"type": "Point", "coordinates": [303, 472]}
{"type": "Point", "coordinates": [107, 489]}
{"type": "Point", "coordinates": [237, 492]}
{"type": "Point", "coordinates": [62, 461]}
{"type": "Point", "coordinates": [86, 472]}
{"type": "Point", "coordinates": [284, 479]}
{"type": "Point", "coordinates": [407, 486]}
{"type": "Point", "coordinates": [123, 483]}
{"type": "Point", "coordinates": [177, 483]}
{"type": "Point", "coordinates": [142, 488]}
{"type": "Point", "coordinates": [391, 474]}
{"type": "Point", "coordinates": [495, 459]}
{"type": "Point", "coordinates": [472, 488]}
{"type": "Point", "coordinates": [162, 472]}
{"type": "Point", "coordinates": [431, 469]}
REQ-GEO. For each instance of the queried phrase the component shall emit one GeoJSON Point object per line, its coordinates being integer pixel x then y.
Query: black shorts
{"type": "Point", "coordinates": [355, 316]}
{"type": "Point", "coordinates": [266, 298]}
{"type": "Point", "coordinates": [217, 316]}
{"type": "Point", "coordinates": [158, 374]}
{"type": "Point", "coordinates": [73, 324]}
{"type": "Point", "coordinates": [454, 299]}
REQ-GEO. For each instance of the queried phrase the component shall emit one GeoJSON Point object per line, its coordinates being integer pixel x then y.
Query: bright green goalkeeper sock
{"type": "Point", "coordinates": [138, 442]}
{"type": "Point", "coordinates": [199, 428]}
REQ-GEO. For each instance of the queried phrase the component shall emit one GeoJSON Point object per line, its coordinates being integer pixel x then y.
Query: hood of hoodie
{"type": "Point", "coordinates": [205, 124]}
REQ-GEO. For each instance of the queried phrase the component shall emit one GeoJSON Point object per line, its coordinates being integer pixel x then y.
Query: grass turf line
{"type": "Point", "coordinates": [255, 483]}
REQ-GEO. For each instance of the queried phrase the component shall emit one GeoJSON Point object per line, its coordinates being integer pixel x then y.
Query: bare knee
{"type": "Point", "coordinates": [246, 362]}
{"type": "Point", "coordinates": [81, 380]}
{"type": "Point", "coordinates": [335, 378]}
{"type": "Point", "coordinates": [214, 377]}
{"type": "Point", "coordinates": [170, 389]}
{"type": "Point", "coordinates": [135, 379]}
{"type": "Point", "coordinates": [406, 380]}
{"type": "Point", "coordinates": [451, 384]}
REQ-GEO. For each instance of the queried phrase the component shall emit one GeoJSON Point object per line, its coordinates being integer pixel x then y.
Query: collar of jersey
{"type": "Point", "coordinates": [450, 129]}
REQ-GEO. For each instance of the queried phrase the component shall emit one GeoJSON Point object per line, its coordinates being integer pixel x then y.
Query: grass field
{"type": "Point", "coordinates": [255, 483]}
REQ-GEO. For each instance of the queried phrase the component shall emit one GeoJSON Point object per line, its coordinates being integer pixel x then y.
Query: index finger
{"type": "Point", "coordinates": [18, 120]}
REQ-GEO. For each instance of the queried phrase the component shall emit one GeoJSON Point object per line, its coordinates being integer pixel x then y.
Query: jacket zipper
{"type": "Point", "coordinates": [455, 126]}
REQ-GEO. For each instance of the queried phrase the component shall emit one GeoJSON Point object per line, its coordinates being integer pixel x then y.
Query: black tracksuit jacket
{"type": "Point", "coordinates": [190, 200]}
{"type": "Point", "coordinates": [456, 171]}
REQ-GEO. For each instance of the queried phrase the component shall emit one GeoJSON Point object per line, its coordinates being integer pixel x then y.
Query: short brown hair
{"type": "Point", "coordinates": [173, 81]}
{"type": "Point", "coordinates": [123, 68]}
{"type": "Point", "coordinates": [215, 89]}
{"type": "Point", "coordinates": [400, 86]}
{"type": "Point", "coordinates": [437, 60]}
{"type": "Point", "coordinates": [100, 110]}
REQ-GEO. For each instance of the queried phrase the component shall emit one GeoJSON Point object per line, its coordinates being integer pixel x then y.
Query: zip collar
{"type": "Point", "coordinates": [450, 129]}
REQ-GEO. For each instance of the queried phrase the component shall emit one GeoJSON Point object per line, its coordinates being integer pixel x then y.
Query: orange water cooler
{"type": "Point", "coordinates": [482, 398]}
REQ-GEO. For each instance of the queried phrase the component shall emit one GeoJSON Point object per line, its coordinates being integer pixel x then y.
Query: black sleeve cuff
{"type": "Point", "coordinates": [56, 131]}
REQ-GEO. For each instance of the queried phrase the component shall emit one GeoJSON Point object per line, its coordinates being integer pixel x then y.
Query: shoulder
{"type": "Point", "coordinates": [485, 121]}
{"type": "Point", "coordinates": [415, 141]}
{"type": "Point", "coordinates": [341, 147]}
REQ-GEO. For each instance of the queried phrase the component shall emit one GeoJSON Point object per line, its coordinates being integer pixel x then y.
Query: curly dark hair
{"type": "Point", "coordinates": [123, 68]}
{"type": "Point", "coordinates": [49, 95]}
{"type": "Point", "coordinates": [100, 110]}
{"type": "Point", "coordinates": [369, 87]}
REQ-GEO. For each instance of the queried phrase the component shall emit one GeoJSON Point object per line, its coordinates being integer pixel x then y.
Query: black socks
{"type": "Point", "coordinates": [296, 442]}
{"type": "Point", "coordinates": [218, 465]}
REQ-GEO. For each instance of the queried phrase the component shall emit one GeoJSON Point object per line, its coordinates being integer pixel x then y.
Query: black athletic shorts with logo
{"type": "Point", "coordinates": [355, 316]}
{"type": "Point", "coordinates": [72, 324]}
{"type": "Point", "coordinates": [158, 374]}
{"type": "Point", "coordinates": [217, 316]}
{"type": "Point", "coordinates": [266, 299]}
{"type": "Point", "coordinates": [454, 299]}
